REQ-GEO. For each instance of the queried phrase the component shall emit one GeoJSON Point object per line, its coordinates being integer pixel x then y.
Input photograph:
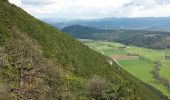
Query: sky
{"type": "Point", "coordinates": [94, 9]}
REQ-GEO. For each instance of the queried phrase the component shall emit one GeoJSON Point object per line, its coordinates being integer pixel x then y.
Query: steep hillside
{"type": "Point", "coordinates": [39, 62]}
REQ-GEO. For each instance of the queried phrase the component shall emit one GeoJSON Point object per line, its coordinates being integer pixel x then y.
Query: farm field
{"type": "Point", "coordinates": [136, 60]}
{"type": "Point", "coordinates": [142, 70]}
{"type": "Point", "coordinates": [165, 70]}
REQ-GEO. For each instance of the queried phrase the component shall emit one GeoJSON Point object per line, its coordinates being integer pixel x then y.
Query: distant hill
{"type": "Point", "coordinates": [152, 23]}
{"type": "Point", "coordinates": [39, 62]}
{"type": "Point", "coordinates": [142, 38]}
{"type": "Point", "coordinates": [80, 30]}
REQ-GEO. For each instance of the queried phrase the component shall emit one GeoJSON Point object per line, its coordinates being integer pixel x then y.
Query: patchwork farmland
{"type": "Point", "coordinates": [138, 61]}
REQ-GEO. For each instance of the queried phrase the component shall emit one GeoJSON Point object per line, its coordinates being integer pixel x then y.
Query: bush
{"type": "Point", "coordinates": [96, 86]}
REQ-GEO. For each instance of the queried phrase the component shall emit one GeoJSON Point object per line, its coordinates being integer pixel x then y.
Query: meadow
{"type": "Point", "coordinates": [141, 67]}
{"type": "Point", "coordinates": [165, 70]}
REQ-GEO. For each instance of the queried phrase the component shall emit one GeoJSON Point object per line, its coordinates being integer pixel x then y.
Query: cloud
{"type": "Point", "coordinates": [17, 2]}
{"type": "Point", "coordinates": [37, 2]}
{"type": "Point", "coordinates": [95, 8]}
{"type": "Point", "coordinates": [70, 8]}
{"type": "Point", "coordinates": [163, 1]}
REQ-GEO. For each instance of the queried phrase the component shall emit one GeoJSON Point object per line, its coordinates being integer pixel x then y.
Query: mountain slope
{"type": "Point", "coordinates": [39, 62]}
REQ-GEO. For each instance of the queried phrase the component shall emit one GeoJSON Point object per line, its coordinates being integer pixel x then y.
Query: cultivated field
{"type": "Point", "coordinates": [165, 70]}
{"type": "Point", "coordinates": [124, 57]}
{"type": "Point", "coordinates": [140, 62]}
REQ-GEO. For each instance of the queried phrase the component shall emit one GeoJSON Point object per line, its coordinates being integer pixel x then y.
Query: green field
{"type": "Point", "coordinates": [110, 52]}
{"type": "Point", "coordinates": [165, 70]}
{"type": "Point", "coordinates": [153, 55]}
{"type": "Point", "coordinates": [142, 70]}
{"type": "Point", "coordinates": [167, 52]}
{"type": "Point", "coordinates": [141, 67]}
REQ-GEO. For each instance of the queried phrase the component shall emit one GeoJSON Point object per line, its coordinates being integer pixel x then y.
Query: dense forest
{"type": "Point", "coordinates": [38, 62]}
{"type": "Point", "coordinates": [141, 38]}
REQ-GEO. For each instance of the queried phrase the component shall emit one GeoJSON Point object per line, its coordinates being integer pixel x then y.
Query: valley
{"type": "Point", "coordinates": [40, 62]}
{"type": "Point", "coordinates": [140, 38]}
{"type": "Point", "coordinates": [140, 62]}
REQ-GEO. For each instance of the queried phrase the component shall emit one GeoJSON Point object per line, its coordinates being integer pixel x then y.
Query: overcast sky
{"type": "Point", "coordinates": [82, 9]}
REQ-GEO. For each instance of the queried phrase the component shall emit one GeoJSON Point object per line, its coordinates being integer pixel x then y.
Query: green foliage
{"type": "Point", "coordinates": [45, 63]}
{"type": "Point", "coordinates": [165, 69]}
{"type": "Point", "coordinates": [141, 38]}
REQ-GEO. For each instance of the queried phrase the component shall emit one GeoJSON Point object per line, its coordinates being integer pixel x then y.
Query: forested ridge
{"type": "Point", "coordinates": [142, 38]}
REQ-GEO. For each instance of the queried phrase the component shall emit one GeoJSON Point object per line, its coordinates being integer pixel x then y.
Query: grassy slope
{"type": "Point", "coordinates": [73, 57]}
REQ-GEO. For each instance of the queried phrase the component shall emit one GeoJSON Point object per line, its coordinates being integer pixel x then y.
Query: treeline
{"type": "Point", "coordinates": [141, 38]}
{"type": "Point", "coordinates": [157, 76]}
